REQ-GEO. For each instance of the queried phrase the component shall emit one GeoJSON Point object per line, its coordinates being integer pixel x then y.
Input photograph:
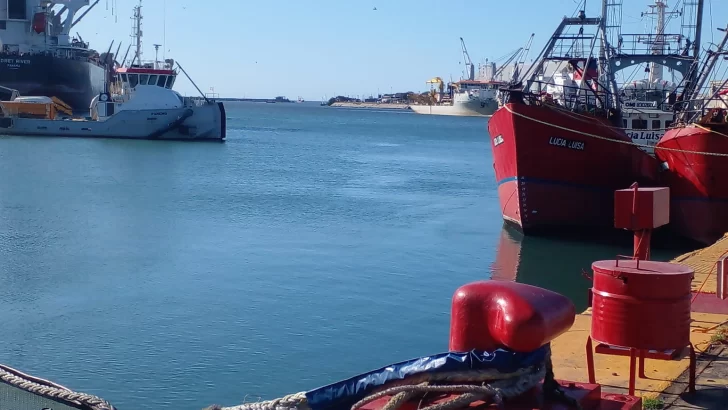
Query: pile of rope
{"type": "Point", "coordinates": [490, 386]}
{"type": "Point", "coordinates": [53, 391]}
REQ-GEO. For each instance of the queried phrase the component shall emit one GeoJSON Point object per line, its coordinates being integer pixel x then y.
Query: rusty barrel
{"type": "Point", "coordinates": [641, 304]}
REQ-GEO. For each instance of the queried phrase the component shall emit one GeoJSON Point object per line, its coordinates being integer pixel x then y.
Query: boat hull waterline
{"type": "Point", "coordinates": [557, 169]}
{"type": "Point", "coordinates": [205, 122]}
{"type": "Point", "coordinates": [465, 109]}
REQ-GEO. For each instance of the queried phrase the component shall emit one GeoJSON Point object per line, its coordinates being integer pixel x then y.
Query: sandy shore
{"type": "Point", "coordinates": [371, 106]}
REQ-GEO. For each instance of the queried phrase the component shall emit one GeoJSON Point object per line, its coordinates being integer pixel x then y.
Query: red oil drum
{"type": "Point", "coordinates": [645, 306]}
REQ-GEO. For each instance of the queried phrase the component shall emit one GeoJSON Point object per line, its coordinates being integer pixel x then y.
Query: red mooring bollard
{"type": "Point", "coordinates": [491, 314]}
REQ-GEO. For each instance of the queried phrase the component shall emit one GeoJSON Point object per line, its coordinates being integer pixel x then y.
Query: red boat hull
{"type": "Point", "coordinates": [698, 187]}
{"type": "Point", "coordinates": [556, 169]}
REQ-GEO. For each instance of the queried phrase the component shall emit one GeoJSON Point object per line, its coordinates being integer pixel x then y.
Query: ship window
{"type": "Point", "coordinates": [170, 81]}
{"type": "Point", "coordinates": [16, 10]}
{"type": "Point", "coordinates": [639, 124]}
{"type": "Point", "coordinates": [668, 123]}
{"type": "Point", "coordinates": [133, 80]}
{"type": "Point", "coordinates": [124, 78]}
{"type": "Point", "coordinates": [152, 79]}
{"type": "Point", "coordinates": [143, 78]}
{"type": "Point", "coordinates": [3, 25]}
{"type": "Point", "coordinates": [161, 81]}
{"type": "Point", "coordinates": [655, 124]}
{"type": "Point", "coordinates": [624, 123]}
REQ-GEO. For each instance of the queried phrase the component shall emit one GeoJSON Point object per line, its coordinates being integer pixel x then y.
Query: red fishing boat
{"type": "Point", "coordinates": [558, 148]}
{"type": "Point", "coordinates": [695, 155]}
{"type": "Point", "coordinates": [696, 176]}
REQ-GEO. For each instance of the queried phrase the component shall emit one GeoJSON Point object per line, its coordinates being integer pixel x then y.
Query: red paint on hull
{"type": "Point", "coordinates": [551, 177]}
{"type": "Point", "coordinates": [699, 206]}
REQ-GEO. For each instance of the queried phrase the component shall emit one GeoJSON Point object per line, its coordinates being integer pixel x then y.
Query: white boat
{"type": "Point", "coordinates": [146, 110]}
{"type": "Point", "coordinates": [469, 98]}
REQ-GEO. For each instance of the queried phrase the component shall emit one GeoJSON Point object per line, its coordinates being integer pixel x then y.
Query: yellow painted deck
{"type": "Point", "coordinates": [569, 350]}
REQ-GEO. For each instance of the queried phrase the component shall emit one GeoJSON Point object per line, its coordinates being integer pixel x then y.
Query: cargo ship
{"type": "Point", "coordinates": [694, 154]}
{"type": "Point", "coordinates": [471, 96]}
{"type": "Point", "coordinates": [560, 148]}
{"type": "Point", "coordinates": [40, 58]}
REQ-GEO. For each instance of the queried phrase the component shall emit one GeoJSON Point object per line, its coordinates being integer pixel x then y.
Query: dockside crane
{"type": "Point", "coordinates": [521, 59]}
{"type": "Point", "coordinates": [469, 66]}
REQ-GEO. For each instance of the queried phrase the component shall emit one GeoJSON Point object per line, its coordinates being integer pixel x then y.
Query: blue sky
{"type": "Point", "coordinates": [338, 47]}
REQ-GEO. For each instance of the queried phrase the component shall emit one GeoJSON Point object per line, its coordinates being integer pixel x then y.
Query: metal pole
{"type": "Point", "coordinates": [126, 55]}
{"type": "Point", "coordinates": [708, 68]}
{"type": "Point", "coordinates": [84, 13]}
{"type": "Point", "coordinates": [193, 83]}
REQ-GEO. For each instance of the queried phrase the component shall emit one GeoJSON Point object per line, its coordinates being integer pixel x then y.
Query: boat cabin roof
{"type": "Point", "coordinates": [140, 70]}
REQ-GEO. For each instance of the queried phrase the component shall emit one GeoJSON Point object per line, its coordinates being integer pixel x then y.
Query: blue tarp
{"type": "Point", "coordinates": [343, 394]}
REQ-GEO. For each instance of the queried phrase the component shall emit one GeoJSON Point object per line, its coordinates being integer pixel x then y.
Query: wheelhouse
{"type": "Point", "coordinates": [133, 77]}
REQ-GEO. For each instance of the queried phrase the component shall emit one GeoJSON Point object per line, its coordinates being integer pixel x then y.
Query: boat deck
{"type": "Point", "coordinates": [665, 379]}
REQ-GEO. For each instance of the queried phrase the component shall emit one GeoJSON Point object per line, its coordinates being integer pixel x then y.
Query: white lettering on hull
{"type": "Point", "coordinates": [563, 142]}
{"type": "Point", "coordinates": [645, 135]}
{"type": "Point", "coordinates": [16, 61]}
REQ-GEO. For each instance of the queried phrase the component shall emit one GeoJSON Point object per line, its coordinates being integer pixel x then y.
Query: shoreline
{"type": "Point", "coordinates": [371, 106]}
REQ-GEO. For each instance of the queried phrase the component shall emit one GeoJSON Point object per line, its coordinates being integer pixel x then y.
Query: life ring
{"type": "Point", "coordinates": [104, 97]}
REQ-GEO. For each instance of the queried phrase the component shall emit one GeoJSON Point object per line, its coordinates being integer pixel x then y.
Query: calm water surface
{"type": "Point", "coordinates": [316, 243]}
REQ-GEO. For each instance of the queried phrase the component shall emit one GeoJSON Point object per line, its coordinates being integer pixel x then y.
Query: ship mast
{"type": "Point", "coordinates": [136, 32]}
{"type": "Point", "coordinates": [659, 41]}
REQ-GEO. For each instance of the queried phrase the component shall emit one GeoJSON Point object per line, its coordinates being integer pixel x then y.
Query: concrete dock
{"type": "Point", "coordinates": [666, 381]}
{"type": "Point", "coordinates": [371, 106]}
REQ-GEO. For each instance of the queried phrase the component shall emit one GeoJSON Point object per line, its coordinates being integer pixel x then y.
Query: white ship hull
{"type": "Point", "coordinates": [198, 123]}
{"type": "Point", "coordinates": [473, 108]}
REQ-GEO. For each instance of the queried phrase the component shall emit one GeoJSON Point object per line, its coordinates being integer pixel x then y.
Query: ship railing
{"type": "Point", "coordinates": [571, 46]}
{"type": "Point", "coordinates": [694, 110]}
{"type": "Point", "coordinates": [195, 101]}
{"type": "Point", "coordinates": [645, 44]}
{"type": "Point", "coordinates": [157, 65]}
{"type": "Point", "coordinates": [577, 99]}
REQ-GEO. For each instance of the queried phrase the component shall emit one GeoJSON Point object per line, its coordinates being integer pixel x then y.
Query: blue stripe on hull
{"type": "Point", "coordinates": [556, 183]}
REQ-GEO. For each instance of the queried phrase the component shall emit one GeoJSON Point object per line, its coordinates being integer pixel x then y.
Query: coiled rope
{"type": "Point", "coordinates": [471, 386]}
{"type": "Point", "coordinates": [50, 390]}
{"type": "Point", "coordinates": [715, 154]}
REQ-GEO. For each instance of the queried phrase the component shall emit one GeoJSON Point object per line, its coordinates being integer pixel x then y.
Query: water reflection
{"type": "Point", "coordinates": [557, 264]}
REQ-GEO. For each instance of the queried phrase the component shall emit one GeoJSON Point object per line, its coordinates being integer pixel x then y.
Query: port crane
{"type": "Point", "coordinates": [520, 59]}
{"type": "Point", "coordinates": [469, 66]}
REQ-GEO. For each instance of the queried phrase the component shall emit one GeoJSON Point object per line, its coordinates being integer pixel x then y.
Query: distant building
{"type": "Point", "coordinates": [396, 98]}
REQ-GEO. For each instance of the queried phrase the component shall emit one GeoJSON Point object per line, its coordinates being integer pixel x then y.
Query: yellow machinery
{"type": "Point", "coordinates": [35, 107]}
{"type": "Point", "coordinates": [437, 80]}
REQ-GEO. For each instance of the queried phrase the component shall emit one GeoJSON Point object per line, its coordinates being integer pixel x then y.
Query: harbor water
{"type": "Point", "coordinates": [316, 243]}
